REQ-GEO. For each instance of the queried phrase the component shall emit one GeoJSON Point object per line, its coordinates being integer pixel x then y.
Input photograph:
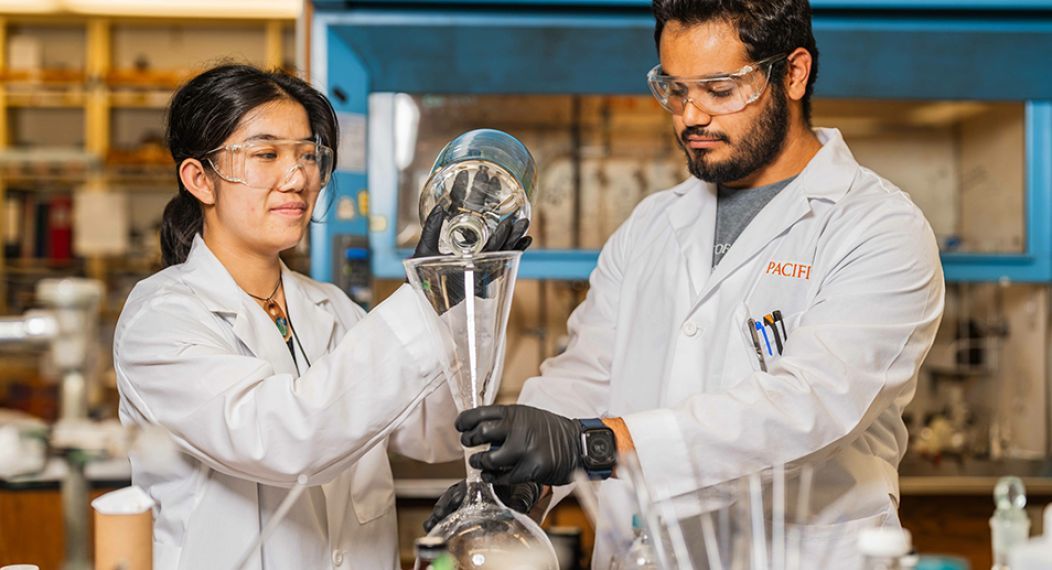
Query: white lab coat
{"type": "Point", "coordinates": [661, 340]}
{"type": "Point", "coordinates": [195, 354]}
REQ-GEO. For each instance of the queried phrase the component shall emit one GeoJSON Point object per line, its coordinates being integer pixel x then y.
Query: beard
{"type": "Point", "coordinates": [758, 146]}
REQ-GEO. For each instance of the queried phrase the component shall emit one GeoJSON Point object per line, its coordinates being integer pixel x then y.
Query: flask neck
{"type": "Point", "coordinates": [478, 492]}
{"type": "Point", "coordinates": [467, 233]}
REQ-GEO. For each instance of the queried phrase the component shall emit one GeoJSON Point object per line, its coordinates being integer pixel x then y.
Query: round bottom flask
{"type": "Point", "coordinates": [483, 533]}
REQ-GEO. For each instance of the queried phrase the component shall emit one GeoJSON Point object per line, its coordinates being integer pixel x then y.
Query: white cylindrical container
{"type": "Point", "coordinates": [1036, 553]}
{"type": "Point", "coordinates": [883, 548]}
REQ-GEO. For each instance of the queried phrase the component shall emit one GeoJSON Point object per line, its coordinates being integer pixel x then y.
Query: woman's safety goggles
{"type": "Point", "coordinates": [714, 94]}
{"type": "Point", "coordinates": [268, 164]}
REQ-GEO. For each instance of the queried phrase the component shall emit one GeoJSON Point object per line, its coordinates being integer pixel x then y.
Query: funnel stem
{"type": "Point", "coordinates": [473, 356]}
{"type": "Point", "coordinates": [473, 475]}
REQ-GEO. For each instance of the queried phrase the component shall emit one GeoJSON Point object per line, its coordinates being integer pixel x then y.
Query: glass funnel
{"type": "Point", "coordinates": [473, 297]}
{"type": "Point", "coordinates": [480, 178]}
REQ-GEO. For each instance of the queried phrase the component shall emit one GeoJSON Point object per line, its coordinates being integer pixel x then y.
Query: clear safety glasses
{"type": "Point", "coordinates": [714, 94]}
{"type": "Point", "coordinates": [268, 164]}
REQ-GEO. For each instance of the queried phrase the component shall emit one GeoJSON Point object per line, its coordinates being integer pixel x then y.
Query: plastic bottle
{"type": "Point", "coordinates": [1010, 526]}
{"type": "Point", "coordinates": [884, 548]}
{"type": "Point", "coordinates": [640, 554]}
{"type": "Point", "coordinates": [1036, 553]}
{"type": "Point", "coordinates": [432, 554]}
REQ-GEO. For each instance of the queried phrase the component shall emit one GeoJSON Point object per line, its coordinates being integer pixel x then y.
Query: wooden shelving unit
{"type": "Point", "coordinates": [106, 85]}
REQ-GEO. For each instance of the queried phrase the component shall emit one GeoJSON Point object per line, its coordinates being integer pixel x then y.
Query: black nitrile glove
{"type": "Point", "coordinates": [508, 235]}
{"type": "Point", "coordinates": [430, 234]}
{"type": "Point", "coordinates": [521, 497]}
{"type": "Point", "coordinates": [530, 445]}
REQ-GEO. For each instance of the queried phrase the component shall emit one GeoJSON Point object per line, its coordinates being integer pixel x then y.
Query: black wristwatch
{"type": "Point", "coordinates": [598, 448]}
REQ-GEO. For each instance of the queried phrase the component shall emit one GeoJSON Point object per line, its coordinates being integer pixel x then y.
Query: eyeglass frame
{"type": "Point", "coordinates": [732, 76]}
{"type": "Point", "coordinates": [236, 146]}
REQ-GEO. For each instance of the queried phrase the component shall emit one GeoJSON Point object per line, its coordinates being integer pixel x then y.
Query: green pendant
{"type": "Point", "coordinates": [280, 319]}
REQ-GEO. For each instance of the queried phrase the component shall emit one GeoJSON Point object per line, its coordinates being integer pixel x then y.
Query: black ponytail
{"type": "Point", "coordinates": [182, 220]}
{"type": "Point", "coordinates": [204, 112]}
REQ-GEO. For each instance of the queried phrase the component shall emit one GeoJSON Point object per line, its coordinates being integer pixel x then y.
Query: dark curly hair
{"type": "Point", "coordinates": [766, 27]}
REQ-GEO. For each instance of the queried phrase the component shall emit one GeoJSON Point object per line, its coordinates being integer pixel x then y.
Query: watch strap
{"type": "Point", "coordinates": [592, 423]}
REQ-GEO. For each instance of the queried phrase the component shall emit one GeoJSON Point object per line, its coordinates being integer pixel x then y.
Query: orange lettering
{"type": "Point", "coordinates": [787, 269]}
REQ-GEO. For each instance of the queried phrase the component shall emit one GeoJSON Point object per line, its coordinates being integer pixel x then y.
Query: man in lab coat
{"type": "Point", "coordinates": [772, 310]}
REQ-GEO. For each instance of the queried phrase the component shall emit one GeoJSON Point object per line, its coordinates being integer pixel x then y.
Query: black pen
{"type": "Point", "coordinates": [778, 319]}
{"type": "Point", "coordinates": [769, 321]}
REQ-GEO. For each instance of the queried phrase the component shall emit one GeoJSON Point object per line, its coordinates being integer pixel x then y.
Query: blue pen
{"type": "Point", "coordinates": [766, 340]}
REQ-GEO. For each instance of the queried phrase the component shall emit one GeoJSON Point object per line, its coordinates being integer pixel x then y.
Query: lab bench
{"type": "Point", "coordinates": [945, 506]}
{"type": "Point", "coordinates": [31, 529]}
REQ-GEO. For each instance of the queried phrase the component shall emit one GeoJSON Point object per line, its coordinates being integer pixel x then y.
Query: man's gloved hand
{"type": "Point", "coordinates": [529, 445]}
{"type": "Point", "coordinates": [521, 497]}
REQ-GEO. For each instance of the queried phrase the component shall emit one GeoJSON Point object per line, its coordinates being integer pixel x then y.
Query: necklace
{"type": "Point", "coordinates": [275, 311]}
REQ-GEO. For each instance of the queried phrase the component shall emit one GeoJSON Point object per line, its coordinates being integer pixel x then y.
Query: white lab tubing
{"type": "Point", "coordinates": [272, 524]}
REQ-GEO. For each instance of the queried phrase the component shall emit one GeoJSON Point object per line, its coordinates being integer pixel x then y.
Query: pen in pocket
{"type": "Point", "coordinates": [756, 344]}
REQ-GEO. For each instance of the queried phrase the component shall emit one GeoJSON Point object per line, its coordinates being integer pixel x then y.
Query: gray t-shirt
{"type": "Point", "coordinates": [735, 208]}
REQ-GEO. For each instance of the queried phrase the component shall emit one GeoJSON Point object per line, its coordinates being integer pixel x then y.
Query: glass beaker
{"type": "Point", "coordinates": [473, 296]}
{"type": "Point", "coordinates": [480, 178]}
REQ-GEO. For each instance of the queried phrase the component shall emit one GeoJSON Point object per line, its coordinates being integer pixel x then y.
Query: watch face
{"type": "Point", "coordinates": [599, 448]}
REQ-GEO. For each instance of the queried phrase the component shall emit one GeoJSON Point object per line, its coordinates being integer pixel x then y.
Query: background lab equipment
{"type": "Point", "coordinates": [67, 329]}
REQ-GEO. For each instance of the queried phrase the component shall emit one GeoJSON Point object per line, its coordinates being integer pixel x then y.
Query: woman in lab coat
{"type": "Point", "coordinates": [263, 376]}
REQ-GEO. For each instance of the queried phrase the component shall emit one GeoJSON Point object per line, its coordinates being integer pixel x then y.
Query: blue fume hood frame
{"type": "Point", "coordinates": [989, 50]}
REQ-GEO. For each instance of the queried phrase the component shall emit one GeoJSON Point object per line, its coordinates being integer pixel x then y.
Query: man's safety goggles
{"type": "Point", "coordinates": [714, 94]}
{"type": "Point", "coordinates": [267, 164]}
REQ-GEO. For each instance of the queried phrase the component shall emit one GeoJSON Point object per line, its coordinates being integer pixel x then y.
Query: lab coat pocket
{"type": "Point", "coordinates": [768, 335]}
{"type": "Point", "coordinates": [372, 490]}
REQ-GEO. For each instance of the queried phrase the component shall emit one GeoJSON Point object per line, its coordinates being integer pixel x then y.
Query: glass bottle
{"type": "Point", "coordinates": [1010, 525]}
{"type": "Point", "coordinates": [641, 554]}
{"type": "Point", "coordinates": [480, 178]}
